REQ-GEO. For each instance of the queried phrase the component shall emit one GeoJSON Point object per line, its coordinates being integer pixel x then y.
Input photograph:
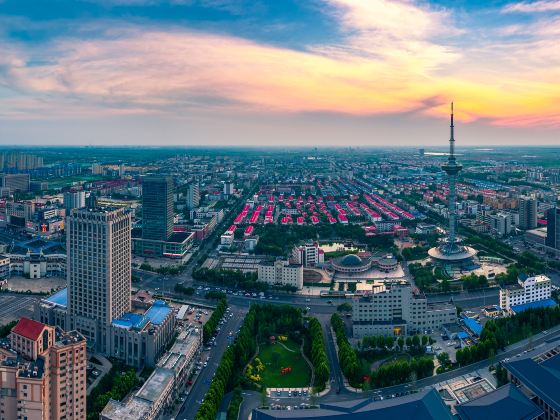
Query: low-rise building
{"type": "Point", "coordinates": [537, 376]}
{"type": "Point", "coordinates": [281, 273]}
{"type": "Point", "coordinates": [527, 290]}
{"type": "Point", "coordinates": [176, 246]}
{"type": "Point", "coordinates": [137, 338]}
{"type": "Point", "coordinates": [393, 308]}
{"type": "Point", "coordinates": [4, 267]}
{"type": "Point", "coordinates": [163, 386]}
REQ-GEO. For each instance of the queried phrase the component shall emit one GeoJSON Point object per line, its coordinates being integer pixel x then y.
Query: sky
{"type": "Point", "coordinates": [279, 72]}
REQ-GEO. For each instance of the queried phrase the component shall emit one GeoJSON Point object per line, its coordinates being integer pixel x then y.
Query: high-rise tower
{"type": "Point", "coordinates": [157, 207]}
{"type": "Point", "coordinates": [98, 271]}
{"type": "Point", "coordinates": [451, 250]}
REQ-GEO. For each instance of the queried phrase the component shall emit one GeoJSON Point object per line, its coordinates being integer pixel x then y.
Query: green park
{"type": "Point", "coordinates": [280, 364]}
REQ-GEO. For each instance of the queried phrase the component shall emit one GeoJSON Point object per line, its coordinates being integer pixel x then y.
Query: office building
{"type": "Point", "coordinates": [42, 373]}
{"type": "Point", "coordinates": [158, 238]}
{"type": "Point", "coordinates": [97, 302]}
{"type": "Point", "coordinates": [281, 273]}
{"type": "Point", "coordinates": [553, 228]}
{"type": "Point", "coordinates": [98, 271]}
{"type": "Point", "coordinates": [393, 308]}
{"type": "Point", "coordinates": [527, 213]}
{"type": "Point", "coordinates": [74, 199]}
{"type": "Point", "coordinates": [308, 254]}
{"type": "Point", "coordinates": [193, 195]}
{"type": "Point", "coordinates": [20, 212]}
{"type": "Point", "coordinates": [14, 182]}
{"type": "Point", "coordinates": [157, 207]}
{"type": "Point", "coordinates": [501, 224]}
{"type": "Point", "coordinates": [527, 290]}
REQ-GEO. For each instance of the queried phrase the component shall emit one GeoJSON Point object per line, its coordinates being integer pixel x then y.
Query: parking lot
{"type": "Point", "coordinates": [14, 307]}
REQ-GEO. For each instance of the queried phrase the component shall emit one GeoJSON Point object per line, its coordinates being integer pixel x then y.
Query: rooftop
{"type": "Point", "coordinates": [543, 378]}
{"type": "Point", "coordinates": [28, 328]}
{"type": "Point", "coordinates": [155, 315]}
{"type": "Point", "coordinates": [546, 303]}
{"type": "Point", "coordinates": [155, 384]}
{"type": "Point", "coordinates": [60, 298]}
{"type": "Point", "coordinates": [424, 405]}
{"type": "Point", "coordinates": [505, 402]}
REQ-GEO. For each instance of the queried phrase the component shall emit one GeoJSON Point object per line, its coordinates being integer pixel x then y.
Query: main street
{"type": "Point", "coordinates": [200, 386]}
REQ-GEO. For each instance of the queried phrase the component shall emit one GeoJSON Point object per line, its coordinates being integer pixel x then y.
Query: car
{"type": "Point", "coordinates": [545, 332]}
{"type": "Point", "coordinates": [205, 364]}
{"type": "Point", "coordinates": [182, 399]}
{"type": "Point", "coordinates": [308, 300]}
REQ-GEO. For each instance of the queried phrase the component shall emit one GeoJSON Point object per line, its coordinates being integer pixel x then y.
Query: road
{"type": "Point", "coordinates": [199, 388]}
{"type": "Point", "coordinates": [511, 351]}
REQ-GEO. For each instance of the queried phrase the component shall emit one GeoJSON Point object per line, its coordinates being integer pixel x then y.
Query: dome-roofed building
{"type": "Point", "coordinates": [351, 263]}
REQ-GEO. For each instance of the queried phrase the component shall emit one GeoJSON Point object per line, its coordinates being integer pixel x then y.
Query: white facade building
{"type": "Point", "coordinates": [309, 254]}
{"type": "Point", "coordinates": [393, 309]}
{"type": "Point", "coordinates": [281, 273]}
{"type": "Point", "coordinates": [527, 290]}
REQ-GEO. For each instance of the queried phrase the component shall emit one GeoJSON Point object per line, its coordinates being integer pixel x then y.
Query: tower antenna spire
{"type": "Point", "coordinates": [452, 137]}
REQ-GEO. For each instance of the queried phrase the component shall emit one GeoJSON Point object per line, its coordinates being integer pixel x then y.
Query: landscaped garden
{"type": "Point", "coordinates": [283, 365]}
{"type": "Point", "coordinates": [272, 365]}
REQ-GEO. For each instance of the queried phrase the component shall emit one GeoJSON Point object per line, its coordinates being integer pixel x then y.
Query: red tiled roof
{"type": "Point", "coordinates": [28, 328]}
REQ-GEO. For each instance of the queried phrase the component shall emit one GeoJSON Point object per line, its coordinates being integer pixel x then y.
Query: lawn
{"type": "Point", "coordinates": [300, 376]}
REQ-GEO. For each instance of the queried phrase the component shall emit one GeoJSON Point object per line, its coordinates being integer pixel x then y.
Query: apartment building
{"type": "Point", "coordinates": [281, 272]}
{"type": "Point", "coordinates": [393, 308]}
{"type": "Point", "coordinates": [42, 373]}
{"type": "Point", "coordinates": [527, 290]}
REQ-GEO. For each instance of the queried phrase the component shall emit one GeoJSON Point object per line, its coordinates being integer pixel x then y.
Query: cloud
{"type": "Point", "coordinates": [533, 7]}
{"type": "Point", "coordinates": [396, 57]}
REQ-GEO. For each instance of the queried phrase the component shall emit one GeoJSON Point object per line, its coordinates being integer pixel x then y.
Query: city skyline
{"type": "Point", "coordinates": [317, 73]}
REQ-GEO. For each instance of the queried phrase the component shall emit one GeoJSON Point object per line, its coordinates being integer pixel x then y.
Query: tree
{"type": "Point", "coordinates": [400, 343]}
{"type": "Point", "coordinates": [443, 359]}
{"type": "Point", "coordinates": [425, 340]}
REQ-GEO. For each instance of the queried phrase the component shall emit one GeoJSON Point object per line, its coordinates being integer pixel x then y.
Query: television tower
{"type": "Point", "coordinates": [451, 250]}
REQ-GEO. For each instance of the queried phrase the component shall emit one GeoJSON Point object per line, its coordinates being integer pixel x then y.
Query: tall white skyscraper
{"type": "Point", "coordinates": [98, 271]}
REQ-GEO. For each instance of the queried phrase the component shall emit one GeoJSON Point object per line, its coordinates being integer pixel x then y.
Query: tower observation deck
{"type": "Point", "coordinates": [451, 250]}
